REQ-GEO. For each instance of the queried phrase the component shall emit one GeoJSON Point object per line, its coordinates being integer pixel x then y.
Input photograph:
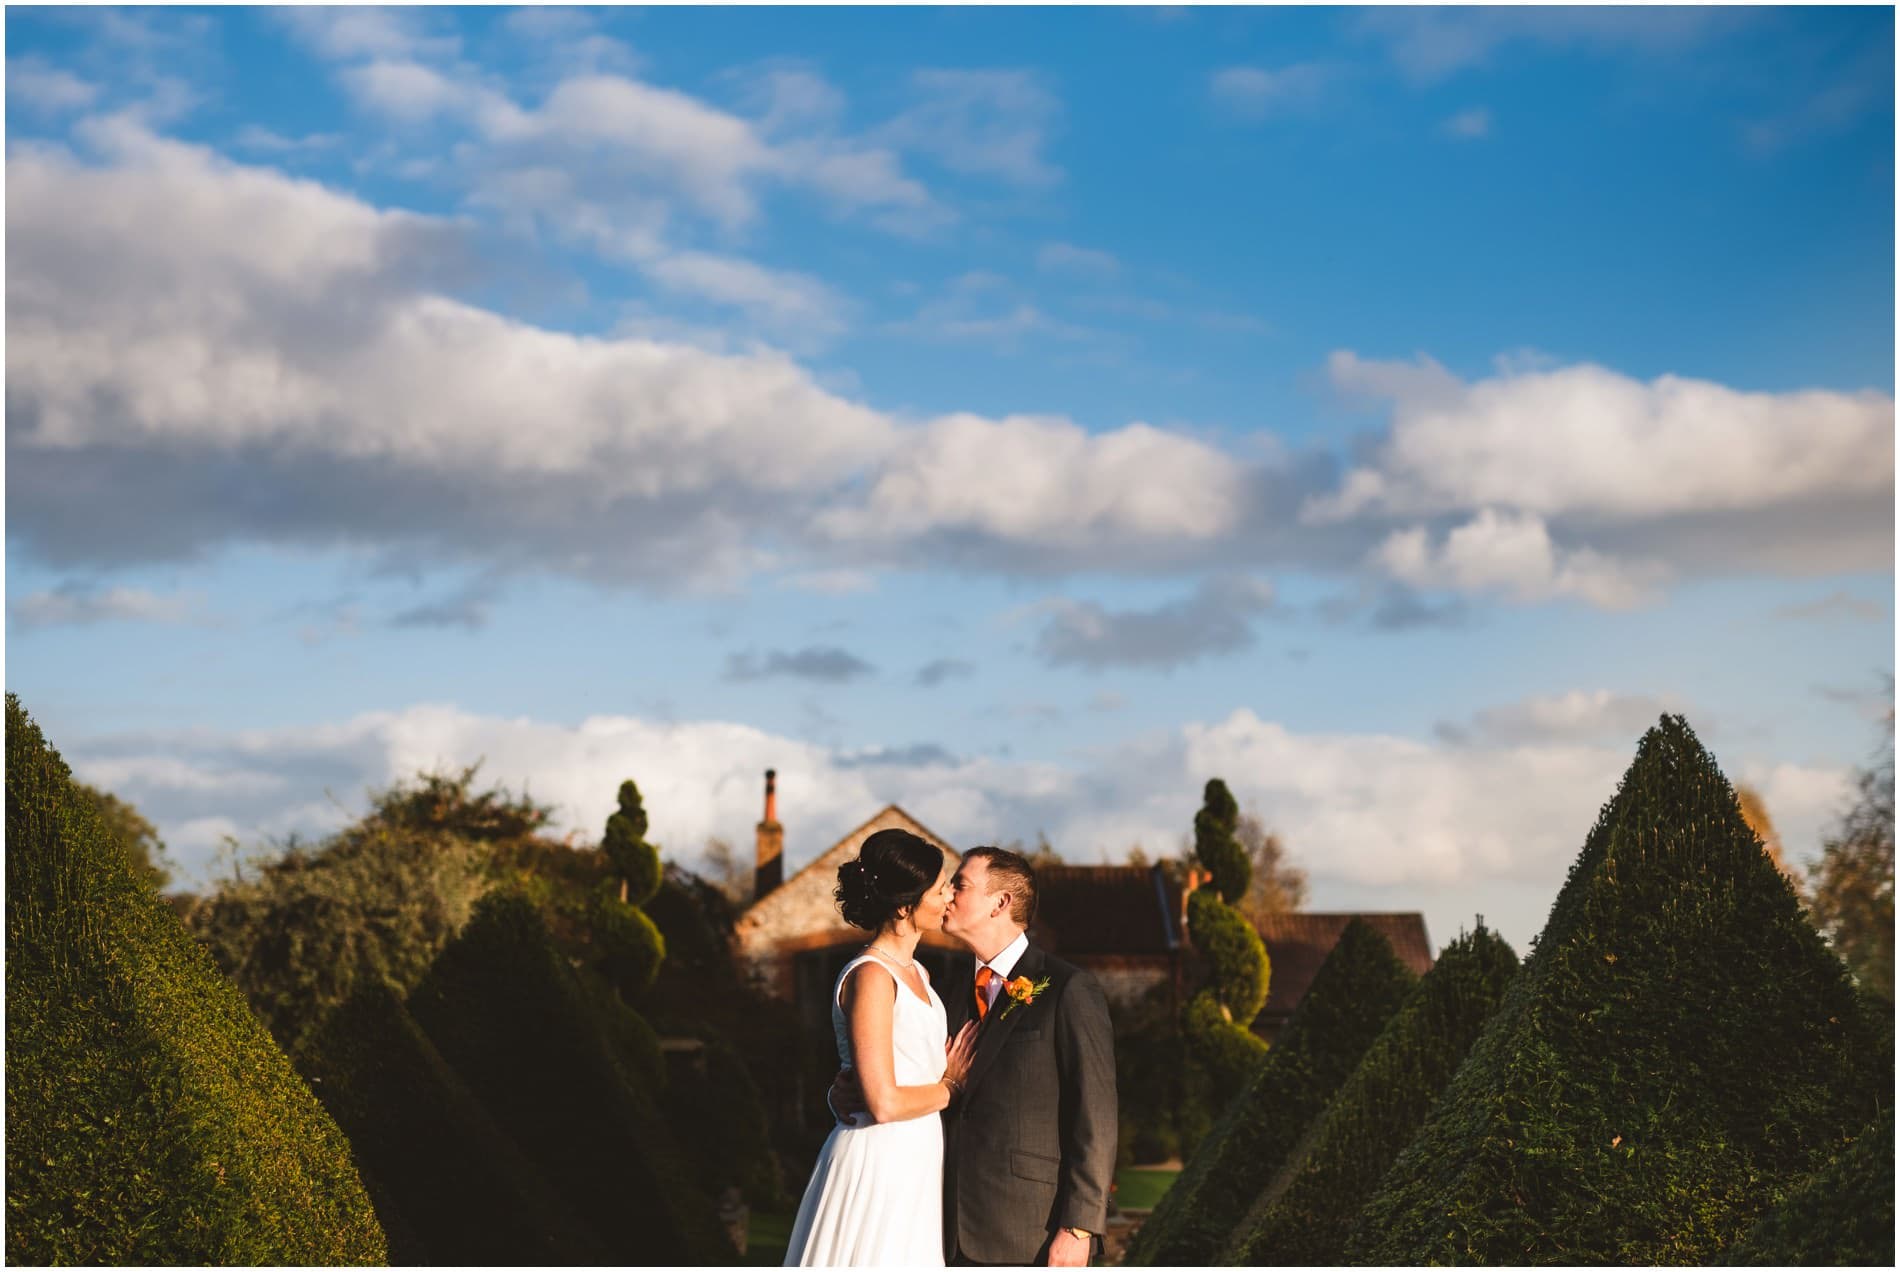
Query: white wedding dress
{"type": "Point", "coordinates": [876, 1194]}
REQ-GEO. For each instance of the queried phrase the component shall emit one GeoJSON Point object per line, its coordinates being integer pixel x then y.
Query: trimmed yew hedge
{"type": "Point", "coordinates": [1306, 1212]}
{"type": "Point", "coordinates": [1841, 1216]}
{"type": "Point", "coordinates": [150, 1117]}
{"type": "Point", "coordinates": [507, 1013]}
{"type": "Point", "coordinates": [1358, 988]}
{"type": "Point", "coordinates": [449, 1185]}
{"type": "Point", "coordinates": [1679, 1049]}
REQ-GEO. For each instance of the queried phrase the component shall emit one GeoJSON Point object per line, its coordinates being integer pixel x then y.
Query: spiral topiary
{"type": "Point", "coordinates": [632, 948]}
{"type": "Point", "coordinates": [1216, 1020]}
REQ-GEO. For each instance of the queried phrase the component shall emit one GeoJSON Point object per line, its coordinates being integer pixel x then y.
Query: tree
{"type": "Point", "coordinates": [1216, 1019]}
{"type": "Point", "coordinates": [1305, 1213]}
{"type": "Point", "coordinates": [1356, 991]}
{"type": "Point", "coordinates": [508, 1013]}
{"type": "Point", "coordinates": [1277, 886]}
{"type": "Point", "coordinates": [1841, 1216]}
{"type": "Point", "coordinates": [727, 872]}
{"type": "Point", "coordinates": [1679, 1048]}
{"type": "Point", "coordinates": [631, 946]}
{"type": "Point", "coordinates": [150, 1118]}
{"type": "Point", "coordinates": [1852, 884]}
{"type": "Point", "coordinates": [1755, 813]}
{"type": "Point", "coordinates": [375, 902]}
{"type": "Point", "coordinates": [128, 827]}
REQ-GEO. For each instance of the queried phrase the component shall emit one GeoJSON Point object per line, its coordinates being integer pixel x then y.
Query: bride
{"type": "Point", "coordinates": [876, 1194]}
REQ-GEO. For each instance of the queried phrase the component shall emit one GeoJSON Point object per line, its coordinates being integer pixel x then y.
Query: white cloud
{"type": "Point", "coordinates": [1432, 43]}
{"type": "Point", "coordinates": [44, 87]}
{"type": "Point", "coordinates": [1580, 715]}
{"type": "Point", "coordinates": [79, 605]}
{"type": "Point", "coordinates": [1588, 441]}
{"type": "Point", "coordinates": [343, 33]}
{"type": "Point", "coordinates": [1067, 258]}
{"type": "Point", "coordinates": [981, 123]}
{"type": "Point", "coordinates": [1252, 92]}
{"type": "Point", "coordinates": [1041, 480]}
{"type": "Point", "coordinates": [1512, 554]}
{"type": "Point", "coordinates": [1429, 820]}
{"type": "Point", "coordinates": [285, 339]}
{"type": "Point", "coordinates": [1468, 125]}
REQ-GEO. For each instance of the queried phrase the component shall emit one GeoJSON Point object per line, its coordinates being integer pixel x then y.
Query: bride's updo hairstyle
{"type": "Point", "coordinates": [892, 871]}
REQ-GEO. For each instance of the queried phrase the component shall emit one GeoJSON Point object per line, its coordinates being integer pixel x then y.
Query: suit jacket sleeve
{"type": "Point", "coordinates": [1085, 1053]}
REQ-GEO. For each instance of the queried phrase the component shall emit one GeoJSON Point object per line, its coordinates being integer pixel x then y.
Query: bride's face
{"type": "Point", "coordinates": [928, 916]}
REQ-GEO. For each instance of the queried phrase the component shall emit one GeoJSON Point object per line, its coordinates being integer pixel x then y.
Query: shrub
{"type": "Point", "coordinates": [1215, 1020]}
{"type": "Point", "coordinates": [506, 1012]}
{"type": "Point", "coordinates": [1358, 988]}
{"type": "Point", "coordinates": [1841, 1216]}
{"type": "Point", "coordinates": [374, 903]}
{"type": "Point", "coordinates": [449, 1185]}
{"type": "Point", "coordinates": [151, 1119]}
{"type": "Point", "coordinates": [1679, 1048]}
{"type": "Point", "coordinates": [1306, 1212]}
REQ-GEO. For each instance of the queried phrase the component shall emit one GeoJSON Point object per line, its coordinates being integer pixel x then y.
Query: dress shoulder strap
{"type": "Point", "coordinates": [837, 990]}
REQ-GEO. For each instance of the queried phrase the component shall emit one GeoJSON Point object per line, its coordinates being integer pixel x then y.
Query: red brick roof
{"type": "Point", "coordinates": [1105, 910]}
{"type": "Point", "coordinates": [1298, 943]}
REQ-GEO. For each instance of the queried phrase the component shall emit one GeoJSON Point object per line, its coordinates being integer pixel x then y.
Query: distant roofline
{"type": "Point", "coordinates": [929, 834]}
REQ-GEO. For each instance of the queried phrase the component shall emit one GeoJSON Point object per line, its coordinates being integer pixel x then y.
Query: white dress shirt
{"type": "Point", "coordinates": [1003, 963]}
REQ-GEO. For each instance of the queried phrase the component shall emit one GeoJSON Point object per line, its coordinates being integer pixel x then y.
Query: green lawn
{"type": "Point", "coordinates": [770, 1232]}
{"type": "Point", "coordinates": [1139, 1189]}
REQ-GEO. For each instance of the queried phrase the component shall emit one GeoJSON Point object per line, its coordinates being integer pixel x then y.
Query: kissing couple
{"type": "Point", "coordinates": [978, 1130]}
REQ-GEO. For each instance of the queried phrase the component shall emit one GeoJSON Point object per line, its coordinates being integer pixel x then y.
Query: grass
{"type": "Point", "coordinates": [1137, 1188]}
{"type": "Point", "coordinates": [1141, 1188]}
{"type": "Point", "coordinates": [769, 1232]}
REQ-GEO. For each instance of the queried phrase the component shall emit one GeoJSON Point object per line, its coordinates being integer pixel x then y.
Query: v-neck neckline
{"type": "Point", "coordinates": [897, 974]}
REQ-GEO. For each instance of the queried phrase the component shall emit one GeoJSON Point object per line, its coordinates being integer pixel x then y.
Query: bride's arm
{"type": "Point", "coordinates": [870, 1002]}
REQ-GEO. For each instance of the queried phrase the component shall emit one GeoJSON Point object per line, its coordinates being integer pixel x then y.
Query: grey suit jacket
{"type": "Point", "coordinates": [1029, 1147]}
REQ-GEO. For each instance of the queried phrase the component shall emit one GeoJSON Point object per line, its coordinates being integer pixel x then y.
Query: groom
{"type": "Point", "coordinates": [1029, 1145]}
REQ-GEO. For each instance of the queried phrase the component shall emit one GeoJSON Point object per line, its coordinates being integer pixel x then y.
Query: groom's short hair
{"type": "Point", "coordinates": [1010, 872]}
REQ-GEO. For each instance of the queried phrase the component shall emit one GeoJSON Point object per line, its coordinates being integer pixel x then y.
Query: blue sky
{"type": "Point", "coordinates": [1018, 414]}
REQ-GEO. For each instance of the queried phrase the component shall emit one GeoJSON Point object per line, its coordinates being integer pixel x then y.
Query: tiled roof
{"type": "Point", "coordinates": [1105, 910]}
{"type": "Point", "coordinates": [1298, 943]}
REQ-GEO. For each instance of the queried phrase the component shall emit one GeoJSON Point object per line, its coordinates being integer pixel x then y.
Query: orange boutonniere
{"type": "Point", "coordinates": [1022, 992]}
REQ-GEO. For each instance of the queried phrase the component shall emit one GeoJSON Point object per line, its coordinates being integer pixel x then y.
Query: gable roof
{"type": "Point", "coordinates": [787, 911]}
{"type": "Point", "coordinates": [1297, 943]}
{"type": "Point", "coordinates": [1105, 910]}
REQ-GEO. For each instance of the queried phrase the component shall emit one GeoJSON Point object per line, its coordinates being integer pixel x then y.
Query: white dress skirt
{"type": "Point", "coordinates": [876, 1194]}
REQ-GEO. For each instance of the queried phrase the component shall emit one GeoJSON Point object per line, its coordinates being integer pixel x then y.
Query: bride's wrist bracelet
{"type": "Point", "coordinates": [956, 1087]}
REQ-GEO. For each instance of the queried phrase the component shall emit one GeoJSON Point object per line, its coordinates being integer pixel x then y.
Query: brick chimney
{"type": "Point", "coordinates": [771, 866]}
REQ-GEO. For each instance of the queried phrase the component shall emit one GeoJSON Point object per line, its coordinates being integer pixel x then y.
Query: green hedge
{"type": "Point", "coordinates": [150, 1117]}
{"type": "Point", "coordinates": [1841, 1216]}
{"type": "Point", "coordinates": [507, 1013]}
{"type": "Point", "coordinates": [449, 1185]}
{"type": "Point", "coordinates": [1679, 1049]}
{"type": "Point", "coordinates": [1358, 988]}
{"type": "Point", "coordinates": [1306, 1212]}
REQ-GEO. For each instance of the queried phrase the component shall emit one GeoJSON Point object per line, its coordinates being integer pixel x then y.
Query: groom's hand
{"type": "Point", "coordinates": [846, 1097]}
{"type": "Point", "coordinates": [1069, 1250]}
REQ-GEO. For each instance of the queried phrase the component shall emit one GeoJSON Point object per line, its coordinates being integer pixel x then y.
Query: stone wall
{"type": "Point", "coordinates": [802, 914]}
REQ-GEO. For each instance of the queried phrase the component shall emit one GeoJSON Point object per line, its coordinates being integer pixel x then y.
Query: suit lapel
{"type": "Point", "coordinates": [1000, 1023]}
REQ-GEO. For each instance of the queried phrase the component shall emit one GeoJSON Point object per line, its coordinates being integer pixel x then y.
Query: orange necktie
{"type": "Point", "coordinates": [984, 975]}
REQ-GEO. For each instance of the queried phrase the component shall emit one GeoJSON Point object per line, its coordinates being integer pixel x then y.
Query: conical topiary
{"type": "Point", "coordinates": [632, 947]}
{"type": "Point", "coordinates": [1305, 1213]}
{"type": "Point", "coordinates": [1842, 1216]}
{"type": "Point", "coordinates": [1679, 1048]}
{"type": "Point", "coordinates": [1358, 988]}
{"type": "Point", "coordinates": [150, 1117]}
{"type": "Point", "coordinates": [1215, 1021]}
{"type": "Point", "coordinates": [506, 1011]}
{"type": "Point", "coordinates": [450, 1186]}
